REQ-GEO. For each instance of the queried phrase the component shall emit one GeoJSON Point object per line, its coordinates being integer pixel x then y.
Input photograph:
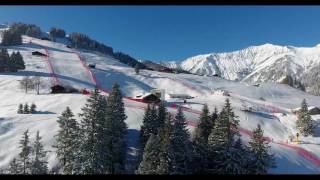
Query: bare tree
{"type": "Point", "coordinates": [36, 83]}
{"type": "Point", "coordinates": [26, 83]}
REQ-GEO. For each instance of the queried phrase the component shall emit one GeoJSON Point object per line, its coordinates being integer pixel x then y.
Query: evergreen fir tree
{"type": "Point", "coordinates": [20, 109]}
{"type": "Point", "coordinates": [67, 141]}
{"type": "Point", "coordinates": [150, 160]}
{"type": "Point", "coordinates": [161, 115]}
{"type": "Point", "coordinates": [91, 158]}
{"type": "Point", "coordinates": [33, 108]}
{"type": "Point", "coordinates": [26, 109]}
{"type": "Point", "coordinates": [16, 61]}
{"type": "Point", "coordinates": [259, 147]}
{"type": "Point", "coordinates": [205, 125]}
{"type": "Point", "coordinates": [181, 145]}
{"type": "Point", "coordinates": [304, 123]}
{"type": "Point", "coordinates": [225, 129]}
{"type": "Point", "coordinates": [219, 135]}
{"type": "Point", "coordinates": [166, 149]}
{"type": "Point", "coordinates": [149, 124]}
{"type": "Point", "coordinates": [25, 153]}
{"type": "Point", "coordinates": [14, 167]}
{"type": "Point", "coordinates": [200, 152]}
{"type": "Point", "coordinates": [39, 164]}
{"type": "Point", "coordinates": [116, 130]}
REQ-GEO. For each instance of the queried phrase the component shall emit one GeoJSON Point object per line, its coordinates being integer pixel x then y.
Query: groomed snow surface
{"type": "Point", "coordinates": [68, 67]}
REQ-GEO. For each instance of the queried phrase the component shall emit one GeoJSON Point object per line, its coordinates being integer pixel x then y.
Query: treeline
{"type": "Point", "coordinates": [11, 63]}
{"type": "Point", "coordinates": [83, 41]}
{"type": "Point", "coordinates": [57, 33]}
{"type": "Point", "coordinates": [12, 37]}
{"type": "Point", "coordinates": [215, 148]}
{"type": "Point", "coordinates": [126, 59]}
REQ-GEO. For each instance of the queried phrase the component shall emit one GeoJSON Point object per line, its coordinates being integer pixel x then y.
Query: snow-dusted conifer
{"type": "Point", "coordinates": [259, 147]}
{"type": "Point", "coordinates": [39, 164]}
{"type": "Point", "coordinates": [181, 145]}
{"type": "Point", "coordinates": [90, 159]}
{"type": "Point", "coordinates": [116, 130]}
{"type": "Point", "coordinates": [67, 141]}
{"type": "Point", "coordinates": [149, 124]}
{"type": "Point", "coordinates": [24, 155]}
{"type": "Point", "coordinates": [150, 159]}
{"type": "Point", "coordinates": [304, 123]}
{"type": "Point", "coordinates": [20, 109]}
{"type": "Point", "coordinates": [26, 109]}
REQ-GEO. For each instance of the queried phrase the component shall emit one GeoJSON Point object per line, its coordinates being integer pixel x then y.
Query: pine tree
{"type": "Point", "coordinates": [19, 61]}
{"type": "Point", "coordinates": [225, 129]}
{"type": "Point", "coordinates": [166, 149]}
{"type": "Point", "coordinates": [92, 158]}
{"type": "Point", "coordinates": [39, 165]}
{"type": "Point", "coordinates": [150, 160]}
{"type": "Point", "coordinates": [200, 148]}
{"type": "Point", "coordinates": [33, 108]}
{"type": "Point", "coordinates": [259, 147]}
{"type": "Point", "coordinates": [116, 130]}
{"type": "Point", "coordinates": [233, 121]}
{"type": "Point", "coordinates": [219, 135]}
{"type": "Point", "coordinates": [213, 117]}
{"type": "Point", "coordinates": [26, 109]}
{"type": "Point", "coordinates": [4, 60]}
{"type": "Point", "coordinates": [181, 145]}
{"type": "Point", "coordinates": [25, 153]}
{"type": "Point", "coordinates": [304, 123]}
{"type": "Point", "coordinates": [20, 109]}
{"type": "Point", "coordinates": [161, 115]}
{"type": "Point", "coordinates": [12, 63]}
{"type": "Point", "coordinates": [205, 125]}
{"type": "Point", "coordinates": [200, 161]}
{"type": "Point", "coordinates": [67, 141]}
{"type": "Point", "coordinates": [14, 167]}
{"type": "Point", "coordinates": [149, 124]}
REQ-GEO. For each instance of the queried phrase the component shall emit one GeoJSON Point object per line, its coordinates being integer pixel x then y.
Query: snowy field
{"type": "Point", "coordinates": [68, 67]}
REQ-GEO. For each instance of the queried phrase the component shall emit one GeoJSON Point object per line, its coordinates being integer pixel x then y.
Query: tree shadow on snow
{"type": "Point", "coordinates": [133, 149]}
{"type": "Point", "coordinates": [121, 78]}
{"type": "Point", "coordinates": [44, 112]}
{"type": "Point", "coordinates": [27, 73]}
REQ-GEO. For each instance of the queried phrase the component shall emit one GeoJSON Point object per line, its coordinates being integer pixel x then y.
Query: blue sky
{"type": "Point", "coordinates": [177, 32]}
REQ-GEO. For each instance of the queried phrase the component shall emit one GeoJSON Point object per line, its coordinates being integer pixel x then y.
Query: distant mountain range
{"type": "Point", "coordinates": [255, 64]}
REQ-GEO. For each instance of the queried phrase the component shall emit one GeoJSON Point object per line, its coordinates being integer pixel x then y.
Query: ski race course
{"type": "Point", "coordinates": [69, 67]}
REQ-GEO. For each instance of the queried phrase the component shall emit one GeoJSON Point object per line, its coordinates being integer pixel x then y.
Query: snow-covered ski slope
{"type": "Point", "coordinates": [68, 67]}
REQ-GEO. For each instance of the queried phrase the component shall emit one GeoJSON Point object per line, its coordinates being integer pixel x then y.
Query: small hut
{"type": "Point", "coordinates": [58, 89]}
{"type": "Point", "coordinates": [37, 53]}
{"type": "Point", "coordinates": [93, 66]}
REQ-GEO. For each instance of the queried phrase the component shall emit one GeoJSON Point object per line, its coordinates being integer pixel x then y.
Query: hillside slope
{"type": "Point", "coordinates": [67, 65]}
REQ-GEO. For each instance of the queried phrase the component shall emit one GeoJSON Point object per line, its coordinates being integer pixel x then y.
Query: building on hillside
{"type": "Point", "coordinates": [148, 98]}
{"type": "Point", "coordinates": [37, 53]}
{"type": "Point", "coordinates": [58, 89]}
{"type": "Point", "coordinates": [93, 66]}
{"type": "Point", "coordinates": [62, 89]}
{"type": "Point", "coordinates": [160, 93]}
